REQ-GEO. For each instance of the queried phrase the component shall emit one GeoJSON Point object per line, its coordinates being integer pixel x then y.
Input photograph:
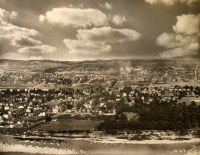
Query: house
{"type": "Point", "coordinates": [55, 109]}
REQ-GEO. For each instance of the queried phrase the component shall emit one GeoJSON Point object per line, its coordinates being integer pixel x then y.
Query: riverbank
{"type": "Point", "coordinates": [99, 146]}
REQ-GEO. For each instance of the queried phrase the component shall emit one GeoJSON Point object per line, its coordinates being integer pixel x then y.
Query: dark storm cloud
{"type": "Point", "coordinates": [64, 26]}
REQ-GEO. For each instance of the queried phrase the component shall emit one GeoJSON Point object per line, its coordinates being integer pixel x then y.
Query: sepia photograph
{"type": "Point", "coordinates": [99, 77]}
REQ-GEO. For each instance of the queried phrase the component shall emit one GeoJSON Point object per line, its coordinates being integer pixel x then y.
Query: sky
{"type": "Point", "coordinates": [99, 29]}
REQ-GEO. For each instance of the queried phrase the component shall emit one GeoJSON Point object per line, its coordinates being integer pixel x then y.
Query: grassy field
{"type": "Point", "coordinates": [67, 125]}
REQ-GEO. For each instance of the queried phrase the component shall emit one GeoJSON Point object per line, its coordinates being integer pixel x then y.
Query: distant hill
{"type": "Point", "coordinates": [88, 66]}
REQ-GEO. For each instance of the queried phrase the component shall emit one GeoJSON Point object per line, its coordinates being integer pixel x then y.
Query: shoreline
{"type": "Point", "coordinates": [93, 146]}
{"type": "Point", "coordinates": [101, 139]}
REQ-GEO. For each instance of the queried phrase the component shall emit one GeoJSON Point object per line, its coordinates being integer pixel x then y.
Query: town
{"type": "Point", "coordinates": [29, 99]}
{"type": "Point", "coordinates": [22, 107]}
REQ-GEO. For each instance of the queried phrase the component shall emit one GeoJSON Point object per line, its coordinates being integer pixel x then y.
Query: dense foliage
{"type": "Point", "coordinates": [156, 116]}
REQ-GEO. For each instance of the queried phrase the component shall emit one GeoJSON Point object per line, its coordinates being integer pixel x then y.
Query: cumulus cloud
{"type": "Point", "coordinates": [187, 24]}
{"type": "Point", "coordinates": [80, 17]}
{"type": "Point", "coordinates": [98, 40]}
{"type": "Point", "coordinates": [16, 56]}
{"type": "Point", "coordinates": [178, 45]}
{"type": "Point", "coordinates": [17, 36]}
{"type": "Point", "coordinates": [20, 39]}
{"type": "Point", "coordinates": [173, 40]}
{"type": "Point", "coordinates": [171, 2]}
{"type": "Point", "coordinates": [165, 2]}
{"type": "Point", "coordinates": [8, 29]}
{"type": "Point", "coordinates": [118, 20]}
{"type": "Point", "coordinates": [190, 50]}
{"type": "Point", "coordinates": [86, 47]}
{"type": "Point", "coordinates": [75, 17]}
{"type": "Point", "coordinates": [108, 34]}
{"type": "Point", "coordinates": [5, 15]}
{"type": "Point", "coordinates": [106, 5]}
{"type": "Point", "coordinates": [31, 53]}
{"type": "Point", "coordinates": [183, 41]}
{"type": "Point", "coordinates": [37, 50]}
{"type": "Point", "coordinates": [42, 18]}
{"type": "Point", "coordinates": [189, 2]}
